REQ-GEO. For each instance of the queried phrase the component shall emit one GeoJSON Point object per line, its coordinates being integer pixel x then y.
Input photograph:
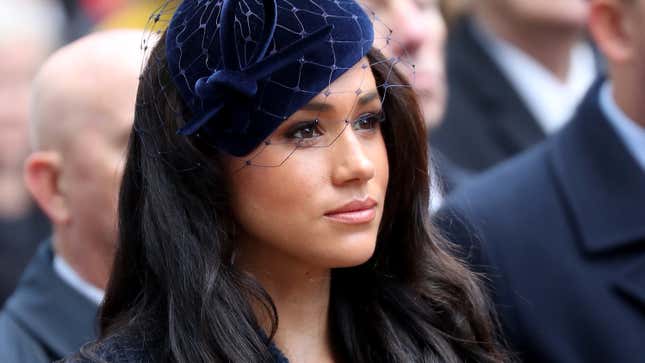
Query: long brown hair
{"type": "Point", "coordinates": [173, 282]}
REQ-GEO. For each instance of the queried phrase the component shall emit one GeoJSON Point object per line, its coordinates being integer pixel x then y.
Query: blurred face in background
{"type": "Point", "coordinates": [419, 34]}
{"type": "Point", "coordinates": [83, 110]}
{"type": "Point", "coordinates": [95, 158]}
{"type": "Point", "coordinates": [617, 28]}
{"type": "Point", "coordinates": [95, 163]}
{"type": "Point", "coordinates": [19, 60]}
{"type": "Point", "coordinates": [551, 13]}
{"type": "Point", "coordinates": [636, 8]}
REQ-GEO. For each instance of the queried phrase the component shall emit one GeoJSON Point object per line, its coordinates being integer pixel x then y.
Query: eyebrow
{"type": "Point", "coordinates": [322, 106]}
{"type": "Point", "coordinates": [367, 98]}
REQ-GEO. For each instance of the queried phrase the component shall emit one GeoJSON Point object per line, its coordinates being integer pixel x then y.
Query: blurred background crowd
{"type": "Point", "coordinates": [31, 31]}
{"type": "Point", "coordinates": [501, 83]}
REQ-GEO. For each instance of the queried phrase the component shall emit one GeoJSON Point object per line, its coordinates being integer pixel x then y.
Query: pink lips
{"type": "Point", "coordinates": [354, 212]}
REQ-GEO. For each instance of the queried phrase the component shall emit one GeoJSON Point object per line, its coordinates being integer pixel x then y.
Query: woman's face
{"type": "Point", "coordinates": [322, 207]}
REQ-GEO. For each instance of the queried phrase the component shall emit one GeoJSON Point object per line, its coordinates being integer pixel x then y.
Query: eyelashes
{"type": "Point", "coordinates": [312, 129]}
{"type": "Point", "coordinates": [368, 121]}
{"type": "Point", "coordinates": [304, 130]}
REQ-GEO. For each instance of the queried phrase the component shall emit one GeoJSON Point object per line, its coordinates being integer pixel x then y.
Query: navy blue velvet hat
{"type": "Point", "coordinates": [244, 66]}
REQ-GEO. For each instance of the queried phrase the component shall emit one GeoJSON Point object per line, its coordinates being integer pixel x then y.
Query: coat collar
{"type": "Point", "coordinates": [600, 180]}
{"type": "Point", "coordinates": [630, 283]}
{"type": "Point", "coordinates": [50, 310]}
{"type": "Point", "coordinates": [506, 112]}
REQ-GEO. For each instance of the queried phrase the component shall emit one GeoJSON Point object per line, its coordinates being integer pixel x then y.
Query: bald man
{"type": "Point", "coordinates": [82, 113]}
{"type": "Point", "coordinates": [561, 229]}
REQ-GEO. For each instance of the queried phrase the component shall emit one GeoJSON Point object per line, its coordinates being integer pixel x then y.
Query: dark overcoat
{"type": "Point", "coordinates": [560, 231]}
{"type": "Point", "coordinates": [486, 121]}
{"type": "Point", "coordinates": [45, 319]}
{"type": "Point", "coordinates": [124, 348]}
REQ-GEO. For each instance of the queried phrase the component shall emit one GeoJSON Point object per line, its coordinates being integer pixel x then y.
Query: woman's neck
{"type": "Point", "coordinates": [302, 303]}
{"type": "Point", "coordinates": [301, 296]}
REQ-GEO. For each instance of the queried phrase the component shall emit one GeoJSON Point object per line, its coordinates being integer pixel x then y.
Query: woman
{"type": "Point", "coordinates": [274, 205]}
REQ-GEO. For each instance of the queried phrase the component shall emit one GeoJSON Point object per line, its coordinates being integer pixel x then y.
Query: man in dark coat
{"type": "Point", "coordinates": [45, 318]}
{"type": "Point", "coordinates": [560, 230]}
{"type": "Point", "coordinates": [82, 113]}
{"type": "Point", "coordinates": [516, 71]}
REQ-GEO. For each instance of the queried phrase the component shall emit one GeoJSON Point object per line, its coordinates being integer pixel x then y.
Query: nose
{"type": "Point", "coordinates": [410, 32]}
{"type": "Point", "coordinates": [351, 161]}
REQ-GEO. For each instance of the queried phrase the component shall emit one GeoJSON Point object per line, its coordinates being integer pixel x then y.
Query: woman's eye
{"type": "Point", "coordinates": [369, 121]}
{"type": "Point", "coordinates": [305, 130]}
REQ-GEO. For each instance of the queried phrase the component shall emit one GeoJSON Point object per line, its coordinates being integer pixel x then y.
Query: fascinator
{"type": "Point", "coordinates": [242, 67]}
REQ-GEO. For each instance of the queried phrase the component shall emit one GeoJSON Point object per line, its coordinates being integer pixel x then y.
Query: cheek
{"type": "Point", "coordinates": [281, 210]}
{"type": "Point", "coordinates": [431, 56]}
{"type": "Point", "coordinates": [435, 27]}
{"type": "Point", "coordinates": [381, 164]}
{"type": "Point", "coordinates": [275, 203]}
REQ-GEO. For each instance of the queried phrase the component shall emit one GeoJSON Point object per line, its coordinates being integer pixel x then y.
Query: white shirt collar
{"type": "Point", "coordinates": [632, 135]}
{"type": "Point", "coordinates": [551, 101]}
{"type": "Point", "coordinates": [67, 274]}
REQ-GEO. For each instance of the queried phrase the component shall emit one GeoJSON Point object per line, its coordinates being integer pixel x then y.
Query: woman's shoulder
{"type": "Point", "coordinates": [116, 348]}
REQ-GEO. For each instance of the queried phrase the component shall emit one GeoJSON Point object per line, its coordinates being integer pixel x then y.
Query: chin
{"type": "Point", "coordinates": [352, 256]}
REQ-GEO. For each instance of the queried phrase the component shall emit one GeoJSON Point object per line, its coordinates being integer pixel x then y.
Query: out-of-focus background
{"type": "Point", "coordinates": [30, 30]}
{"type": "Point", "coordinates": [465, 74]}
{"type": "Point", "coordinates": [547, 168]}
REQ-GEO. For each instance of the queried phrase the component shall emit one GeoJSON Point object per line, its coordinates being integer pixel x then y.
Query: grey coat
{"type": "Point", "coordinates": [45, 319]}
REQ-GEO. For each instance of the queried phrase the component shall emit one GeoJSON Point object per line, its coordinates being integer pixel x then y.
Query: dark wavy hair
{"type": "Point", "coordinates": [174, 287]}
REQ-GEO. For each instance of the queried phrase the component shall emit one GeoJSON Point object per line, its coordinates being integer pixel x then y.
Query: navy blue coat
{"type": "Point", "coordinates": [560, 231]}
{"type": "Point", "coordinates": [45, 319]}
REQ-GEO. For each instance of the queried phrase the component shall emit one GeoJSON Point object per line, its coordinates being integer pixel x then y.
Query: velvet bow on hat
{"type": "Point", "coordinates": [244, 66]}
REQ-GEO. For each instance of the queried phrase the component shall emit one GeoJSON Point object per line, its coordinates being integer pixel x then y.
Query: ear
{"type": "Point", "coordinates": [610, 26]}
{"type": "Point", "coordinates": [42, 176]}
